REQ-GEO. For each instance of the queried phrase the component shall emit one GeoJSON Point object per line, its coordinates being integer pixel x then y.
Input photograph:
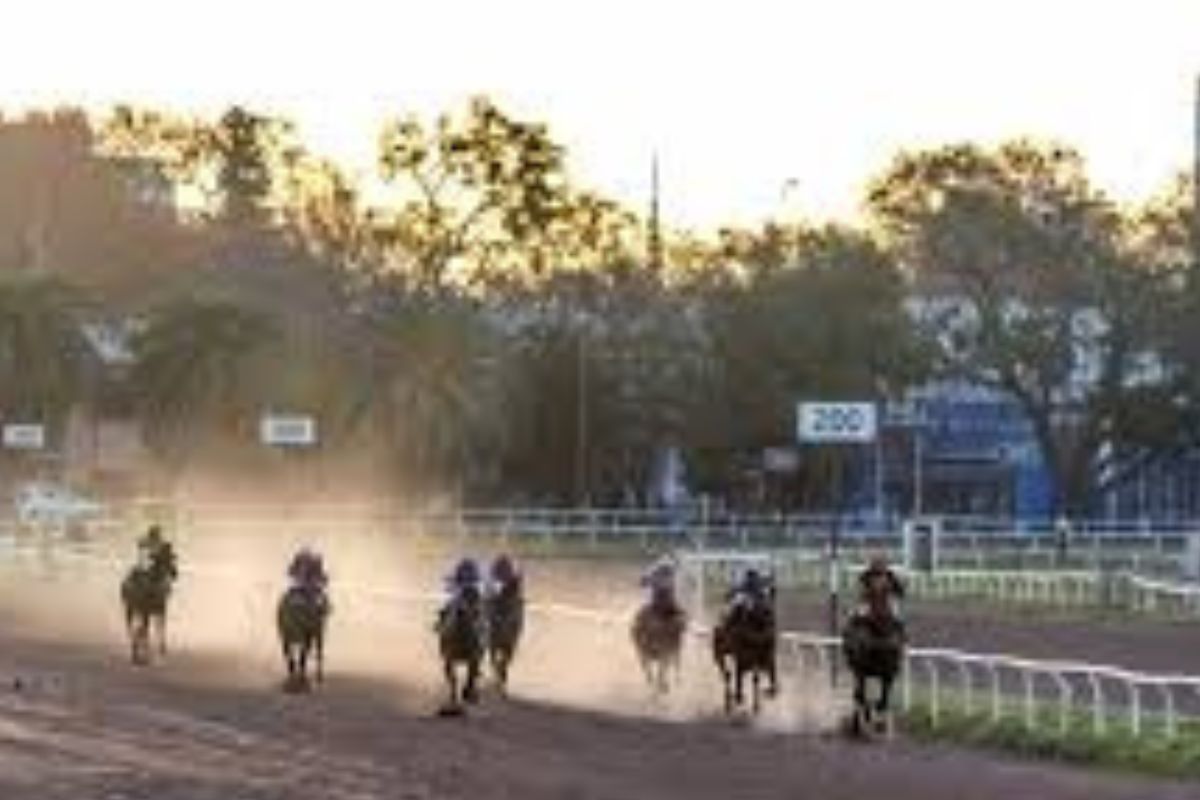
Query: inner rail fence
{"type": "Point", "coordinates": [1061, 694]}
{"type": "Point", "coordinates": [1154, 548]}
{"type": "Point", "coordinates": [1114, 590]}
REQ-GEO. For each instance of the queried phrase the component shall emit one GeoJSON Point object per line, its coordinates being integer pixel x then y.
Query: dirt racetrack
{"type": "Point", "coordinates": [78, 723]}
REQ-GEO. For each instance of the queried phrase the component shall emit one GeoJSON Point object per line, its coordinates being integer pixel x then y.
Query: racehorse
{"type": "Point", "coordinates": [657, 632]}
{"type": "Point", "coordinates": [743, 643]}
{"type": "Point", "coordinates": [144, 593]}
{"type": "Point", "coordinates": [461, 640]}
{"type": "Point", "coordinates": [873, 643]}
{"type": "Point", "coordinates": [300, 619]}
{"type": "Point", "coordinates": [504, 610]}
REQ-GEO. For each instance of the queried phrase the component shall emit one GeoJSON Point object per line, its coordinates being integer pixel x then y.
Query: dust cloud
{"type": "Point", "coordinates": [385, 587]}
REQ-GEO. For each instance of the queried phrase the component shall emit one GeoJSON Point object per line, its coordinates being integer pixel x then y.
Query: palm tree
{"type": "Point", "coordinates": [431, 384]}
{"type": "Point", "coordinates": [195, 371]}
{"type": "Point", "coordinates": [42, 349]}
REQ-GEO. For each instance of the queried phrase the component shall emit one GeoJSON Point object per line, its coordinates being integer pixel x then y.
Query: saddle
{"type": "Point", "coordinates": [879, 625]}
{"type": "Point", "coordinates": [310, 595]}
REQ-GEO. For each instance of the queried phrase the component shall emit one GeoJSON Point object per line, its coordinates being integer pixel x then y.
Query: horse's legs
{"type": "Point", "coordinates": [140, 638]}
{"type": "Point", "coordinates": [470, 690]}
{"type": "Point", "coordinates": [647, 669]}
{"type": "Point", "coordinates": [161, 619]}
{"type": "Point", "coordinates": [451, 680]}
{"type": "Point", "coordinates": [499, 659]}
{"type": "Point", "coordinates": [885, 692]}
{"type": "Point", "coordinates": [319, 655]}
{"type": "Point", "coordinates": [285, 648]}
{"type": "Point", "coordinates": [305, 650]}
{"type": "Point", "coordinates": [132, 634]}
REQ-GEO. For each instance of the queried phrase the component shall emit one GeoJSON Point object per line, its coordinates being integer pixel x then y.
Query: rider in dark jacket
{"type": "Point", "coordinates": [504, 575]}
{"type": "Point", "coordinates": [157, 553]}
{"type": "Point", "coordinates": [880, 577]}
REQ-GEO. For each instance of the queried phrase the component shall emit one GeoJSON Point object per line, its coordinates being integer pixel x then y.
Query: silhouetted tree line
{"type": "Point", "coordinates": [471, 319]}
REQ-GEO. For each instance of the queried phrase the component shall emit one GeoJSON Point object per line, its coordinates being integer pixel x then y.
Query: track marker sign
{"type": "Point", "coordinates": [288, 430]}
{"type": "Point", "coordinates": [836, 423]}
{"type": "Point", "coordinates": [24, 436]}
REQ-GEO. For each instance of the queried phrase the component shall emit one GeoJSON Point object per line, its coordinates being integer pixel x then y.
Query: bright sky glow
{"type": "Point", "coordinates": [737, 97]}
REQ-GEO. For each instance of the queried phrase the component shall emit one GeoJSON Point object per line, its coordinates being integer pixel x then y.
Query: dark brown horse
{"type": "Point", "coordinates": [300, 619]}
{"type": "Point", "coordinates": [462, 641]}
{"type": "Point", "coordinates": [144, 594]}
{"type": "Point", "coordinates": [657, 631]}
{"type": "Point", "coordinates": [873, 643]}
{"type": "Point", "coordinates": [743, 644]}
{"type": "Point", "coordinates": [505, 615]}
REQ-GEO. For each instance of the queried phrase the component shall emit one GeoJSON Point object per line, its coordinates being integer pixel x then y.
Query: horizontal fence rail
{"type": "Point", "coordinates": [965, 542]}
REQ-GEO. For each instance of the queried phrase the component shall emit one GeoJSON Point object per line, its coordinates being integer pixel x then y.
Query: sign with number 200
{"type": "Point", "coordinates": [830, 423]}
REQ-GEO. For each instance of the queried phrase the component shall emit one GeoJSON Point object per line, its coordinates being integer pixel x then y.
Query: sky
{"type": "Point", "coordinates": [755, 108]}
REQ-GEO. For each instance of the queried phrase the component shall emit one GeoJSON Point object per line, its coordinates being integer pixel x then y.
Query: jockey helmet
{"type": "Point", "coordinates": [154, 535]}
{"type": "Point", "coordinates": [466, 572]}
{"type": "Point", "coordinates": [502, 568]}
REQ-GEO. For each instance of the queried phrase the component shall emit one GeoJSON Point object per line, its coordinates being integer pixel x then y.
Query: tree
{"type": "Point", "coordinates": [1026, 285]}
{"type": "Point", "coordinates": [43, 353]}
{"type": "Point", "coordinates": [475, 195]}
{"type": "Point", "coordinates": [429, 384]}
{"type": "Point", "coordinates": [195, 374]}
{"type": "Point", "coordinates": [235, 168]}
{"type": "Point", "coordinates": [802, 314]}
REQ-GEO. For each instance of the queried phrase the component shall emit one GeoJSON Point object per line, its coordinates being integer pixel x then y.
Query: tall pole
{"type": "Point", "coordinates": [1196, 178]}
{"type": "Point", "coordinates": [581, 421]}
{"type": "Point", "coordinates": [835, 557]}
{"type": "Point", "coordinates": [654, 234]}
{"type": "Point", "coordinates": [918, 474]}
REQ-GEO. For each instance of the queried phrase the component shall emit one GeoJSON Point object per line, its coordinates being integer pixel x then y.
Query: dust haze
{"type": "Point", "coordinates": [386, 582]}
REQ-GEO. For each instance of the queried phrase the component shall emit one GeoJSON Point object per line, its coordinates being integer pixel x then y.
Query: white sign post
{"type": "Point", "coordinates": [288, 430]}
{"type": "Point", "coordinates": [836, 424]}
{"type": "Point", "coordinates": [24, 436]}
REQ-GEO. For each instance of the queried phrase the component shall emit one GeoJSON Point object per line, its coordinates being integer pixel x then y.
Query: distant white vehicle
{"type": "Point", "coordinates": [52, 504]}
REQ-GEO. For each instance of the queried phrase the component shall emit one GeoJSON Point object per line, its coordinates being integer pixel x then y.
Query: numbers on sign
{"type": "Point", "coordinates": [838, 419]}
{"type": "Point", "coordinates": [830, 423]}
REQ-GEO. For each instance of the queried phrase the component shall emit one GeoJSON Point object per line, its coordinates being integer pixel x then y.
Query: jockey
{"type": "Point", "coordinates": [504, 574]}
{"type": "Point", "coordinates": [880, 577]}
{"type": "Point", "coordinates": [464, 577]}
{"type": "Point", "coordinates": [660, 580]}
{"type": "Point", "coordinates": [157, 553]}
{"type": "Point", "coordinates": [463, 582]}
{"type": "Point", "coordinates": [307, 571]}
{"type": "Point", "coordinates": [754, 587]}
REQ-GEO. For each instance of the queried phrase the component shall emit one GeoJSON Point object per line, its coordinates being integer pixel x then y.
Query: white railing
{"type": "Point", "coordinates": [1118, 589]}
{"type": "Point", "coordinates": [939, 678]}
{"type": "Point", "coordinates": [975, 681]}
{"type": "Point", "coordinates": [966, 542]}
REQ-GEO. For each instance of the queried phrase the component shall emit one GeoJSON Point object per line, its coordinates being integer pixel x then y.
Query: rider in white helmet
{"type": "Point", "coordinates": [753, 587]}
{"type": "Point", "coordinates": [659, 579]}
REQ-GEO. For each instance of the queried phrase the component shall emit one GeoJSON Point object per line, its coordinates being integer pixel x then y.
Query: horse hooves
{"type": "Point", "coordinates": [451, 710]}
{"type": "Point", "coordinates": [295, 684]}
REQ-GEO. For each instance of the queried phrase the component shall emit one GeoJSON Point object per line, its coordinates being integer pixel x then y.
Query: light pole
{"type": "Point", "coordinates": [918, 468]}
{"type": "Point", "coordinates": [581, 420]}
